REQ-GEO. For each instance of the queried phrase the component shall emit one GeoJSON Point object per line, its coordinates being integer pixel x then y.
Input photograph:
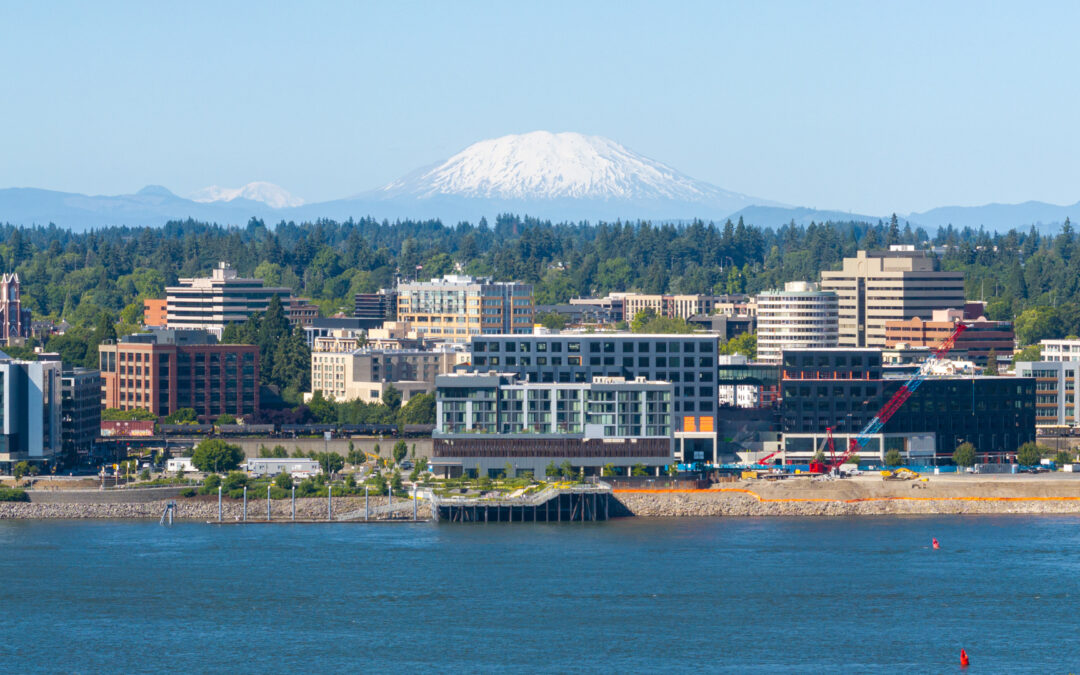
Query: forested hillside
{"type": "Point", "coordinates": [101, 277]}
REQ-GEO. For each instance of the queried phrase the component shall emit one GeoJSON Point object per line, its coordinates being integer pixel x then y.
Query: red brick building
{"type": "Point", "coordinates": [166, 370]}
{"type": "Point", "coordinates": [974, 344]}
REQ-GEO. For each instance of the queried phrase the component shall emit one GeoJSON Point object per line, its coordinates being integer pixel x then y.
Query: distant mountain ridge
{"type": "Point", "coordinates": [555, 176]}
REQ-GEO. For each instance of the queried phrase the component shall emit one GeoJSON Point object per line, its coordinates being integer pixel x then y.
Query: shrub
{"type": "Point", "coordinates": [893, 458]}
{"type": "Point", "coordinates": [13, 495]}
{"type": "Point", "coordinates": [212, 482]}
{"type": "Point", "coordinates": [234, 480]}
{"type": "Point", "coordinates": [188, 492]}
{"type": "Point", "coordinates": [1029, 454]}
{"type": "Point", "coordinates": [283, 481]}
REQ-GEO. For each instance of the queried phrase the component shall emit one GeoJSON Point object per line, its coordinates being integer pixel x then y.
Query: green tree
{"type": "Point", "coordinates": [391, 397]}
{"type": "Point", "coordinates": [182, 416]}
{"type": "Point", "coordinates": [551, 320]}
{"type": "Point", "coordinates": [216, 455]}
{"type": "Point", "coordinates": [1063, 457]}
{"type": "Point", "coordinates": [420, 409]}
{"type": "Point", "coordinates": [378, 484]}
{"type": "Point", "coordinates": [551, 470]}
{"type": "Point", "coordinates": [400, 451]}
{"type": "Point", "coordinates": [284, 480]}
{"type": "Point", "coordinates": [1031, 353]}
{"type": "Point", "coordinates": [567, 470]}
{"type": "Point", "coordinates": [1029, 454]}
{"type": "Point", "coordinates": [395, 482]}
{"type": "Point", "coordinates": [893, 458]}
{"type": "Point", "coordinates": [608, 469]}
{"type": "Point", "coordinates": [225, 418]}
{"type": "Point", "coordinates": [1038, 323]}
{"type": "Point", "coordinates": [745, 344]}
{"type": "Point", "coordinates": [135, 414]}
{"type": "Point", "coordinates": [991, 363]}
{"type": "Point", "coordinates": [330, 462]}
{"type": "Point", "coordinates": [639, 470]}
{"type": "Point", "coordinates": [964, 455]}
{"type": "Point", "coordinates": [234, 480]}
{"type": "Point", "coordinates": [673, 470]}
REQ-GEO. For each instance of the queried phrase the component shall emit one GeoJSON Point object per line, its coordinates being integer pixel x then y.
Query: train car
{"type": "Point", "coordinates": [245, 429]}
{"type": "Point", "coordinates": [186, 429]}
{"type": "Point", "coordinates": [419, 429]}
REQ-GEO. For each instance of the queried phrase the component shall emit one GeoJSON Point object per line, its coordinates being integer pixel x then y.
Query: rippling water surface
{"type": "Point", "coordinates": [861, 595]}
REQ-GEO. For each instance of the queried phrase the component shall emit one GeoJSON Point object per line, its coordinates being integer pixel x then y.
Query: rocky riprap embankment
{"type": "Point", "coordinates": [205, 509]}
{"type": "Point", "coordinates": [706, 504]}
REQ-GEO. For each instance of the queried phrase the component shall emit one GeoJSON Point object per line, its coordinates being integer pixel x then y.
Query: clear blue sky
{"type": "Point", "coordinates": [863, 106]}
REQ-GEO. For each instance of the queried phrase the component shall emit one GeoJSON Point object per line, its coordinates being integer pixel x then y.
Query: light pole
{"type": "Point", "coordinates": [219, 503]}
{"type": "Point", "coordinates": [268, 502]}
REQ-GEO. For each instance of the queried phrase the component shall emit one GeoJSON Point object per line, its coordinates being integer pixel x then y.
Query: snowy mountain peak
{"type": "Point", "coordinates": [545, 166]}
{"type": "Point", "coordinates": [272, 195]}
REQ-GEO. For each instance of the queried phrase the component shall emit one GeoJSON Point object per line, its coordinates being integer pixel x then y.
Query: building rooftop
{"type": "Point", "coordinates": [171, 336]}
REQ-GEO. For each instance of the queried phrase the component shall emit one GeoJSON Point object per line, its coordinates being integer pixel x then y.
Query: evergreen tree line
{"type": "Point", "coordinates": [96, 280]}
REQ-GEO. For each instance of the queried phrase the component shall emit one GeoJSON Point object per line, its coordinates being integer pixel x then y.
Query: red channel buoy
{"type": "Point", "coordinates": [964, 663]}
{"type": "Point", "coordinates": [936, 544]}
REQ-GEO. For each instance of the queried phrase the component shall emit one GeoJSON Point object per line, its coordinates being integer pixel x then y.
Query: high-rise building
{"type": "Point", "coordinates": [209, 303]}
{"type": "Point", "coordinates": [457, 307]}
{"type": "Point", "coordinates": [81, 409]}
{"type": "Point", "coordinates": [1057, 390]}
{"type": "Point", "coordinates": [882, 286]}
{"type": "Point", "coordinates": [799, 317]}
{"type": "Point", "coordinates": [30, 411]}
{"type": "Point", "coordinates": [166, 370]}
{"type": "Point", "coordinates": [14, 320]}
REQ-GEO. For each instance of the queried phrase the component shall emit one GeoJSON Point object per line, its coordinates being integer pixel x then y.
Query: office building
{"type": "Point", "coordinates": [211, 303]}
{"type": "Point", "coordinates": [799, 317]}
{"type": "Point", "coordinates": [845, 388]}
{"type": "Point", "coordinates": [882, 286]}
{"type": "Point", "coordinates": [725, 326]}
{"type": "Point", "coordinates": [166, 370]}
{"type": "Point", "coordinates": [486, 421]}
{"type": "Point", "coordinates": [670, 306]}
{"type": "Point", "coordinates": [30, 412]}
{"type": "Point", "coordinates": [458, 307]}
{"type": "Point", "coordinates": [975, 344]}
{"type": "Point", "coordinates": [365, 374]}
{"type": "Point", "coordinates": [323, 327]}
{"type": "Point", "coordinates": [581, 314]}
{"type": "Point", "coordinates": [301, 312]}
{"type": "Point", "coordinates": [155, 313]}
{"type": "Point", "coordinates": [81, 412]}
{"type": "Point", "coordinates": [687, 361]}
{"type": "Point", "coordinates": [612, 304]}
{"type": "Point", "coordinates": [15, 321]}
{"type": "Point", "coordinates": [378, 307]}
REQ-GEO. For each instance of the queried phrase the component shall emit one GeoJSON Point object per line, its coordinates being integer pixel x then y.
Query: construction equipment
{"type": "Point", "coordinates": [898, 399]}
{"type": "Point", "coordinates": [899, 474]}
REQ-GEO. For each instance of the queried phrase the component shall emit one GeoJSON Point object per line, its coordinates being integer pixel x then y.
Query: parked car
{"type": "Point", "coordinates": [406, 464]}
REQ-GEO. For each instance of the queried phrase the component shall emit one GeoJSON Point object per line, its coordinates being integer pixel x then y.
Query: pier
{"type": "Point", "coordinates": [551, 505]}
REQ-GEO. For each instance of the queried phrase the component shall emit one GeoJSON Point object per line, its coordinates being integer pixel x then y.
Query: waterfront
{"type": "Point", "coordinates": [857, 595]}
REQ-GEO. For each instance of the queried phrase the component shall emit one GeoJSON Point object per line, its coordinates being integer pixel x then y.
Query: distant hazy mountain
{"type": "Point", "coordinates": [274, 196]}
{"type": "Point", "coordinates": [777, 216]}
{"type": "Point", "coordinates": [153, 205]}
{"type": "Point", "coordinates": [998, 216]}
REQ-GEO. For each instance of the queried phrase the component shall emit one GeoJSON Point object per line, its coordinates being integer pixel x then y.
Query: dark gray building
{"type": "Point", "coordinates": [80, 406]}
{"type": "Point", "coordinates": [381, 306]}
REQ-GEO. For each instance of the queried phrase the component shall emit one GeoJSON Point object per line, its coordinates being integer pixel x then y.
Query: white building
{"type": "Point", "coordinates": [177, 464]}
{"type": "Point", "coordinates": [31, 424]}
{"type": "Point", "coordinates": [295, 467]}
{"type": "Point", "coordinates": [211, 303]}
{"type": "Point", "coordinates": [799, 317]}
{"type": "Point", "coordinates": [1059, 350]}
{"type": "Point", "coordinates": [1057, 390]}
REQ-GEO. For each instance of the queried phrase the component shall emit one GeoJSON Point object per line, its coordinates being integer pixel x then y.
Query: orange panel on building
{"type": "Point", "coordinates": [689, 423]}
{"type": "Point", "coordinates": [707, 424]}
{"type": "Point", "coordinates": [154, 313]}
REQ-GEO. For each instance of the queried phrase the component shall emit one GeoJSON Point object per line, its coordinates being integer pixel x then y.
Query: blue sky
{"type": "Point", "coordinates": [863, 106]}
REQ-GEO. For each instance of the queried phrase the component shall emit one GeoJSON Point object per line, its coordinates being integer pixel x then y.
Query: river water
{"type": "Point", "coordinates": [858, 595]}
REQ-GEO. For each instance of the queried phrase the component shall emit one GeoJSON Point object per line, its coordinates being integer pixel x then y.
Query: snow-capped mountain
{"type": "Point", "coordinates": [566, 167]}
{"type": "Point", "coordinates": [274, 196]}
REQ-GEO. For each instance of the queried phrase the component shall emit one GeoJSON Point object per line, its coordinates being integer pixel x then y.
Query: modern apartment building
{"type": "Point", "coordinates": [30, 411]}
{"type": "Point", "coordinates": [799, 317]}
{"type": "Point", "coordinates": [14, 320]}
{"type": "Point", "coordinates": [458, 307]}
{"type": "Point", "coordinates": [486, 421]}
{"type": "Point", "coordinates": [364, 374]}
{"type": "Point", "coordinates": [1059, 350]}
{"type": "Point", "coordinates": [980, 338]}
{"type": "Point", "coordinates": [81, 411]}
{"type": "Point", "coordinates": [882, 286]}
{"type": "Point", "coordinates": [166, 370]}
{"type": "Point", "coordinates": [687, 361]}
{"type": "Point", "coordinates": [1057, 390]}
{"type": "Point", "coordinates": [224, 297]}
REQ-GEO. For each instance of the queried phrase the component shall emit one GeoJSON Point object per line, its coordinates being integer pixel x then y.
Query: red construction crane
{"type": "Point", "coordinates": [897, 400]}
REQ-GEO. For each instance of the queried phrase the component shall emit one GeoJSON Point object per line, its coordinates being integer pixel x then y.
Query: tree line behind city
{"type": "Point", "coordinates": [97, 280]}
